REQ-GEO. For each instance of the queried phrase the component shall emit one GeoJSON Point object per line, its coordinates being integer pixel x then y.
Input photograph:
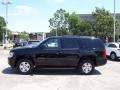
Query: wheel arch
{"type": "Point", "coordinates": [113, 52]}
{"type": "Point", "coordinates": [22, 57]}
{"type": "Point", "coordinates": [92, 58]}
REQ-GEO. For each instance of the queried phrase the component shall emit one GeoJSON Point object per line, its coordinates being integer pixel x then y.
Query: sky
{"type": "Point", "coordinates": [34, 15]}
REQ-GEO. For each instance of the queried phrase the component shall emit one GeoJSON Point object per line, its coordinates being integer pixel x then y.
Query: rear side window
{"type": "Point", "coordinates": [112, 46]}
{"type": "Point", "coordinates": [91, 43]}
{"type": "Point", "coordinates": [68, 43]}
{"type": "Point", "coordinates": [97, 43]}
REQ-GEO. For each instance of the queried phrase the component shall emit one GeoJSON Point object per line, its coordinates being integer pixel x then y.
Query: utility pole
{"type": "Point", "coordinates": [6, 3]}
{"type": "Point", "coordinates": [114, 23]}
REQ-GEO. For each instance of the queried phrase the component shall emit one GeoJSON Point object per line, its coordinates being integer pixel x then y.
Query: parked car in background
{"type": "Point", "coordinates": [25, 43]}
{"type": "Point", "coordinates": [33, 42]}
{"type": "Point", "coordinates": [7, 45]}
{"type": "Point", "coordinates": [20, 44]}
{"type": "Point", "coordinates": [81, 53]}
{"type": "Point", "coordinates": [113, 50]}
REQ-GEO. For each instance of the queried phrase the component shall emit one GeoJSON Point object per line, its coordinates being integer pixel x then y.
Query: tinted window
{"type": "Point", "coordinates": [91, 43]}
{"type": "Point", "coordinates": [51, 43]}
{"type": "Point", "coordinates": [69, 43]}
{"type": "Point", "coordinates": [112, 46]}
{"type": "Point", "coordinates": [97, 43]}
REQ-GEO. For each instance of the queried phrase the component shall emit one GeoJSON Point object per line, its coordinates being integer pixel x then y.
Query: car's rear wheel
{"type": "Point", "coordinates": [25, 66]}
{"type": "Point", "coordinates": [86, 67]}
{"type": "Point", "coordinates": [113, 56]}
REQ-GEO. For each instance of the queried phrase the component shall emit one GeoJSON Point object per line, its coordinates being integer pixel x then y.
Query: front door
{"type": "Point", "coordinates": [49, 55]}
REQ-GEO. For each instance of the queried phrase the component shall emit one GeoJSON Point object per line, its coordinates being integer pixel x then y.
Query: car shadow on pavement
{"type": "Point", "coordinates": [60, 72]}
{"type": "Point", "coordinates": [9, 70]}
{"type": "Point", "coordinates": [48, 72]}
{"type": "Point", "coordinates": [117, 60]}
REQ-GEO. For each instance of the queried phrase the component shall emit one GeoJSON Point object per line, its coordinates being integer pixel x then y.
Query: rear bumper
{"type": "Point", "coordinates": [118, 53]}
{"type": "Point", "coordinates": [101, 61]}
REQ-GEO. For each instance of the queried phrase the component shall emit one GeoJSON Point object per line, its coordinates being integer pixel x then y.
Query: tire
{"type": "Point", "coordinates": [113, 56]}
{"type": "Point", "coordinates": [86, 67]}
{"type": "Point", "coordinates": [25, 66]}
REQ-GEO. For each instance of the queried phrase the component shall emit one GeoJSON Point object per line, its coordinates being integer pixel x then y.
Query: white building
{"type": "Point", "coordinates": [37, 36]}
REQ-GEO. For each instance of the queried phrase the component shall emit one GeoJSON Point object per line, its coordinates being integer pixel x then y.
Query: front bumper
{"type": "Point", "coordinates": [11, 61]}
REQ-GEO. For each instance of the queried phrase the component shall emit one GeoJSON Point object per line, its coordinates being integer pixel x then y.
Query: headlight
{"type": "Point", "coordinates": [11, 54]}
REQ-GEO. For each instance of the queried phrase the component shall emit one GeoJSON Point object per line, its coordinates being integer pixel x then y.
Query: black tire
{"type": "Point", "coordinates": [25, 66]}
{"type": "Point", "coordinates": [113, 56]}
{"type": "Point", "coordinates": [89, 68]}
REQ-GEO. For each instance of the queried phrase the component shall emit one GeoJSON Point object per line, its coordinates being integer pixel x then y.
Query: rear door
{"type": "Point", "coordinates": [70, 51]}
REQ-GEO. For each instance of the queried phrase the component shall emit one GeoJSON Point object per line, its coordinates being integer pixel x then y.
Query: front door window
{"type": "Point", "coordinates": [52, 43]}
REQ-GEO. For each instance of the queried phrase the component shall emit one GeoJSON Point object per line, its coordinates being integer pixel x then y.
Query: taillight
{"type": "Point", "coordinates": [104, 54]}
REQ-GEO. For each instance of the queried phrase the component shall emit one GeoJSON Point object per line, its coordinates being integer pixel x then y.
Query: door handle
{"type": "Point", "coordinates": [59, 52]}
{"type": "Point", "coordinates": [89, 51]}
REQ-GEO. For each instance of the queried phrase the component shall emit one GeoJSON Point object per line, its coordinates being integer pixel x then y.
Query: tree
{"type": "Point", "coordinates": [24, 35]}
{"type": "Point", "coordinates": [78, 26]}
{"type": "Point", "coordinates": [59, 32]}
{"type": "Point", "coordinates": [2, 24]}
{"type": "Point", "coordinates": [58, 24]}
{"type": "Point", "coordinates": [86, 28]}
{"type": "Point", "coordinates": [1, 34]}
{"type": "Point", "coordinates": [103, 22]}
{"type": "Point", "coordinates": [9, 32]}
{"type": "Point", "coordinates": [74, 23]}
{"type": "Point", "coordinates": [117, 30]}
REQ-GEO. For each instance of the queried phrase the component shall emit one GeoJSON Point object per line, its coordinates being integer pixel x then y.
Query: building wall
{"type": "Point", "coordinates": [41, 36]}
{"type": "Point", "coordinates": [87, 17]}
{"type": "Point", "coordinates": [91, 17]}
{"type": "Point", "coordinates": [37, 36]}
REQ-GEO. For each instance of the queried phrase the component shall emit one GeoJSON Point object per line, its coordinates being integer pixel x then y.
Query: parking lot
{"type": "Point", "coordinates": [104, 78]}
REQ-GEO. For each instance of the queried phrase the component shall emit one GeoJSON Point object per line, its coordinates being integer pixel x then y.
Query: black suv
{"type": "Point", "coordinates": [82, 53]}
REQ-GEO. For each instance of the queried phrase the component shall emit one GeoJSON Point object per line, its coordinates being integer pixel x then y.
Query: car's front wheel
{"type": "Point", "coordinates": [25, 66]}
{"type": "Point", "coordinates": [86, 67]}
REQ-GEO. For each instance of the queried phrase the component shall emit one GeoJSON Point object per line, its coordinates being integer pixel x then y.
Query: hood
{"type": "Point", "coordinates": [23, 49]}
